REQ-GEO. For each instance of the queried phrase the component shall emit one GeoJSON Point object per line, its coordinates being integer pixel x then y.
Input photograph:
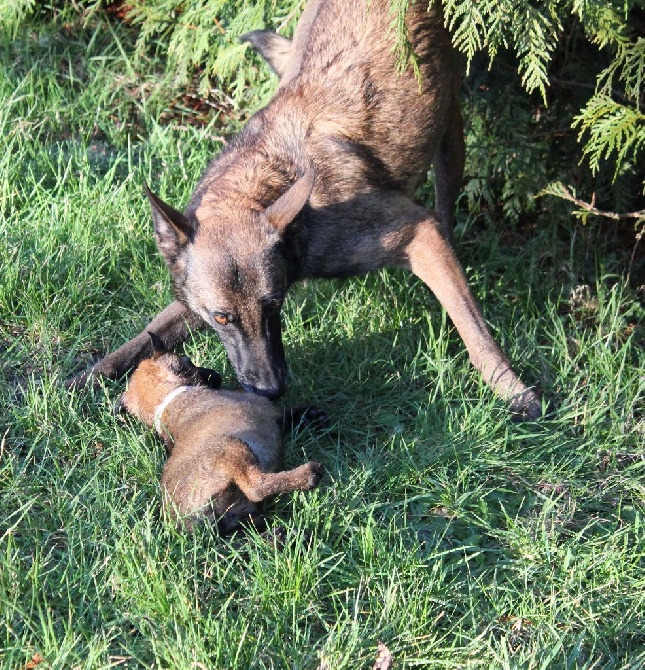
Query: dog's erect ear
{"type": "Point", "coordinates": [173, 230]}
{"type": "Point", "coordinates": [158, 347]}
{"type": "Point", "coordinates": [285, 209]}
{"type": "Point", "coordinates": [274, 48]}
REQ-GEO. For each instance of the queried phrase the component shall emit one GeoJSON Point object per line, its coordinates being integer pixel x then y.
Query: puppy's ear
{"type": "Point", "coordinates": [158, 347]}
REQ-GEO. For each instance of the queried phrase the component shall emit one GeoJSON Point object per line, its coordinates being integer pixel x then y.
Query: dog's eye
{"type": "Point", "coordinates": [222, 319]}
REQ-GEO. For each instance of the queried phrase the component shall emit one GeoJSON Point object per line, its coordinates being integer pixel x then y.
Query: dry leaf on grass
{"type": "Point", "coordinates": [36, 659]}
{"type": "Point", "coordinates": [384, 658]}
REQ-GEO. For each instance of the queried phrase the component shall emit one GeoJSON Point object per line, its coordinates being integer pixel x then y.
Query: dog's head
{"type": "Point", "coordinates": [232, 265]}
{"type": "Point", "coordinates": [155, 377]}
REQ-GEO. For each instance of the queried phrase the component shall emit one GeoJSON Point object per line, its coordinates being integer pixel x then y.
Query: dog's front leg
{"type": "Point", "coordinates": [431, 257]}
{"type": "Point", "coordinates": [172, 325]}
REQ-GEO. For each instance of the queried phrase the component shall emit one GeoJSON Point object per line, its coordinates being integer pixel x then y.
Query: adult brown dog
{"type": "Point", "coordinates": [320, 183]}
{"type": "Point", "coordinates": [225, 447]}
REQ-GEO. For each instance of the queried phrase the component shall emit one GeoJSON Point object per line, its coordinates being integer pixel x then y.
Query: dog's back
{"type": "Point", "coordinates": [345, 78]}
{"type": "Point", "coordinates": [363, 122]}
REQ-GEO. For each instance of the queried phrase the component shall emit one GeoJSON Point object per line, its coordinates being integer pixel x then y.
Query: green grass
{"type": "Point", "coordinates": [456, 537]}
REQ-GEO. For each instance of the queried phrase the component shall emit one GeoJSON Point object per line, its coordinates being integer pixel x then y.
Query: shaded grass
{"type": "Point", "coordinates": [456, 537]}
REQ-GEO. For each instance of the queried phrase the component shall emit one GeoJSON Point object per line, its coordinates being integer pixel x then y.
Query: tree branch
{"type": "Point", "coordinates": [590, 207]}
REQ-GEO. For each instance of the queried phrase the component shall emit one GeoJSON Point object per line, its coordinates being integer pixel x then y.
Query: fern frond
{"type": "Point", "coordinates": [403, 51]}
{"type": "Point", "coordinates": [602, 23]}
{"type": "Point", "coordinates": [534, 44]}
{"type": "Point", "coordinates": [467, 24]}
{"type": "Point", "coordinates": [586, 209]}
{"type": "Point", "coordinates": [611, 130]}
{"type": "Point", "coordinates": [628, 67]}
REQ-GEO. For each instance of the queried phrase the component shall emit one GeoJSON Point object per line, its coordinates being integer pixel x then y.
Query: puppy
{"type": "Point", "coordinates": [225, 447]}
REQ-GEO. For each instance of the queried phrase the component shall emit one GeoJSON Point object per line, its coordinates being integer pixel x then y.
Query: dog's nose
{"type": "Point", "coordinates": [271, 393]}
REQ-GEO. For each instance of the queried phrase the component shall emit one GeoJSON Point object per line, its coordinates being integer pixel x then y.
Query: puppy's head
{"type": "Point", "coordinates": [155, 377]}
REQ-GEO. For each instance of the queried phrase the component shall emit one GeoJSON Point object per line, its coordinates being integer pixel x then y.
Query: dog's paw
{"type": "Point", "coordinates": [315, 472]}
{"type": "Point", "coordinates": [90, 379]}
{"type": "Point", "coordinates": [526, 406]}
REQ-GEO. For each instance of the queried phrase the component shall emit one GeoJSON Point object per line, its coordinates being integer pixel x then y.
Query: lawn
{"type": "Point", "coordinates": [454, 536]}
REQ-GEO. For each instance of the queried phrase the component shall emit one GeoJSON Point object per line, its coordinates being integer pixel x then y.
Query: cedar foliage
{"type": "Point", "coordinates": [555, 87]}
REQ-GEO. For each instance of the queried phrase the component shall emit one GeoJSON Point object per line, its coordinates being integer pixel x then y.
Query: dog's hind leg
{"type": "Point", "coordinates": [242, 467]}
{"type": "Point", "coordinates": [172, 325]}
{"type": "Point", "coordinates": [257, 485]}
{"type": "Point", "coordinates": [449, 168]}
{"type": "Point", "coordinates": [426, 252]}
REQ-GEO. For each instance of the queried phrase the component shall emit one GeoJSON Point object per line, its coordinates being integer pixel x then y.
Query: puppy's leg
{"type": "Point", "coordinates": [283, 55]}
{"type": "Point", "coordinates": [430, 256]}
{"type": "Point", "coordinates": [211, 378]}
{"type": "Point", "coordinates": [242, 467]}
{"type": "Point", "coordinates": [257, 485]}
{"type": "Point", "coordinates": [172, 325]}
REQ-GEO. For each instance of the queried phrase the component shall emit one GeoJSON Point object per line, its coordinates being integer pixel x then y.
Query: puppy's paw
{"type": "Point", "coordinates": [309, 415]}
{"type": "Point", "coordinates": [315, 415]}
{"type": "Point", "coordinates": [303, 415]}
{"type": "Point", "coordinates": [315, 472]}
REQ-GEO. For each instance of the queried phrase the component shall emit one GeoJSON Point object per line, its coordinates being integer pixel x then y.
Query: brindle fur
{"type": "Point", "coordinates": [320, 183]}
{"type": "Point", "coordinates": [225, 447]}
